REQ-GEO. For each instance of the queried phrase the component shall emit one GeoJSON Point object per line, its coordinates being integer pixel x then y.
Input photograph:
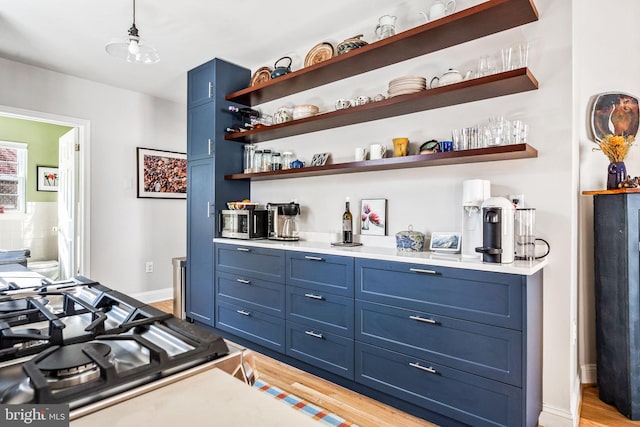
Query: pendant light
{"type": "Point", "coordinates": [133, 48]}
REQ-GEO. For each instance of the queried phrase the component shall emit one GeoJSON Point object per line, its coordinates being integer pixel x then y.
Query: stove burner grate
{"type": "Point", "coordinates": [70, 365]}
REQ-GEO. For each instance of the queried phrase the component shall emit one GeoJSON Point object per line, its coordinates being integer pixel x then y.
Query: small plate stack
{"type": "Point", "coordinates": [406, 85]}
{"type": "Point", "coordinates": [305, 110]}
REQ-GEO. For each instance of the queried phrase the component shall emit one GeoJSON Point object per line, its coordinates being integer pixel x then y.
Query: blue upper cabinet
{"type": "Point", "coordinates": [209, 157]}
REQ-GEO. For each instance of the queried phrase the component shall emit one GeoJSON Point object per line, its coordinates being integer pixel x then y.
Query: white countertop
{"type": "Point", "coordinates": [524, 268]}
{"type": "Point", "coordinates": [210, 398]}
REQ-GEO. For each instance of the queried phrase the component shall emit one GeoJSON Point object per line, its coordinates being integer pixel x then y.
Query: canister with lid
{"type": "Point", "coordinates": [276, 162]}
{"type": "Point", "coordinates": [287, 158]}
{"type": "Point", "coordinates": [409, 240]}
{"type": "Point", "coordinates": [257, 161]}
{"type": "Point", "coordinates": [266, 160]}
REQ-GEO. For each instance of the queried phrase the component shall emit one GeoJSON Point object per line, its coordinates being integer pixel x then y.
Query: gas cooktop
{"type": "Point", "coordinates": [77, 342]}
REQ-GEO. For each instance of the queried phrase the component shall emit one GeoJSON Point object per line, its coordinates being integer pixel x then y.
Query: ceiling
{"type": "Point", "coordinates": [69, 36]}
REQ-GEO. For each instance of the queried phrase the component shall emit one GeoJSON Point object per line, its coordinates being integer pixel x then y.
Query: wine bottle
{"type": "Point", "coordinates": [347, 224]}
{"type": "Point", "coordinates": [247, 113]}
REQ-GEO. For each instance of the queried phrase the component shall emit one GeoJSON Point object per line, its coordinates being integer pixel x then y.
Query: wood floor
{"type": "Point", "coordinates": [365, 412]}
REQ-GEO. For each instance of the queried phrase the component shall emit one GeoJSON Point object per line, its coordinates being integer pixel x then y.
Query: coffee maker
{"type": "Point", "coordinates": [282, 221]}
{"type": "Point", "coordinates": [498, 245]}
{"type": "Point", "coordinates": [474, 193]}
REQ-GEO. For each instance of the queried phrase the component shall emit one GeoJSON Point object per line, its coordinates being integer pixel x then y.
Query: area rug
{"type": "Point", "coordinates": [307, 408]}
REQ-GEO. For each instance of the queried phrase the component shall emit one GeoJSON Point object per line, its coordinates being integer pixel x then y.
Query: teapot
{"type": "Point", "coordinates": [439, 9]}
{"type": "Point", "coordinates": [281, 71]}
{"type": "Point", "coordinates": [450, 77]}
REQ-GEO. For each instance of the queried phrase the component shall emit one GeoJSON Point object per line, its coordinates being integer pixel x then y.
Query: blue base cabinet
{"type": "Point", "coordinates": [209, 158]}
{"type": "Point", "coordinates": [462, 343]}
{"type": "Point", "coordinates": [457, 347]}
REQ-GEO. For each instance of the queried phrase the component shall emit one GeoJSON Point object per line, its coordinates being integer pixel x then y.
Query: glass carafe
{"type": "Point", "coordinates": [290, 227]}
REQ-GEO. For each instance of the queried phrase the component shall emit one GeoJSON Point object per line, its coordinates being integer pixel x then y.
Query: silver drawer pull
{"type": "Point", "coordinates": [423, 319]}
{"type": "Point", "coordinates": [243, 249]}
{"type": "Point", "coordinates": [244, 313]}
{"type": "Point", "coordinates": [312, 296]}
{"type": "Point", "coordinates": [313, 258]}
{"type": "Point", "coordinates": [243, 281]}
{"type": "Point", "coordinates": [420, 270]}
{"type": "Point", "coordinates": [314, 334]}
{"type": "Point", "coordinates": [423, 368]}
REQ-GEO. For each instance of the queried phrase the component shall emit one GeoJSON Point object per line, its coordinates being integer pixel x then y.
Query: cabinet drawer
{"type": "Point", "coordinates": [261, 263]}
{"type": "Point", "coordinates": [480, 349]}
{"type": "Point", "coordinates": [325, 273]}
{"type": "Point", "coordinates": [465, 397]}
{"type": "Point", "coordinates": [492, 298]}
{"type": "Point", "coordinates": [255, 294]}
{"type": "Point", "coordinates": [320, 348]}
{"type": "Point", "coordinates": [333, 313]}
{"type": "Point", "coordinates": [253, 325]}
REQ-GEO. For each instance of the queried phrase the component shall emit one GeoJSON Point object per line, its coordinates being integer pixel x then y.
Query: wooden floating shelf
{"type": "Point", "coordinates": [506, 83]}
{"type": "Point", "coordinates": [472, 23]}
{"type": "Point", "coordinates": [477, 155]}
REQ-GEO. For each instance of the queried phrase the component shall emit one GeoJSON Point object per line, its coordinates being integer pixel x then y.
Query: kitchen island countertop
{"type": "Point", "coordinates": [212, 398]}
{"type": "Point", "coordinates": [524, 268]}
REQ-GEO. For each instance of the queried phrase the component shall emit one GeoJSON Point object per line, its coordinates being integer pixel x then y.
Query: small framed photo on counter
{"type": "Point", "coordinates": [373, 217]}
{"type": "Point", "coordinates": [445, 241]}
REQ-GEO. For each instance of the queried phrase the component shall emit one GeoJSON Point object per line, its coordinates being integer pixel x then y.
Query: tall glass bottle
{"type": "Point", "coordinates": [347, 224]}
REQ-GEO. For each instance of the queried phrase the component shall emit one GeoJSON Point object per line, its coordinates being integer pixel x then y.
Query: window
{"type": "Point", "coordinates": [13, 171]}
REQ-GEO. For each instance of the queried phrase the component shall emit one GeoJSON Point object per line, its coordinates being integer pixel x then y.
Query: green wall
{"type": "Point", "coordinates": [42, 143]}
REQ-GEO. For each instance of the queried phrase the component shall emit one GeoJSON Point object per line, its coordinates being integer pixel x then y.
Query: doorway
{"type": "Point", "coordinates": [76, 257]}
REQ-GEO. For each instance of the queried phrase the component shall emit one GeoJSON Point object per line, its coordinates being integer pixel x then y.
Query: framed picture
{"type": "Point", "coordinates": [614, 114]}
{"type": "Point", "coordinates": [47, 178]}
{"type": "Point", "coordinates": [161, 174]}
{"type": "Point", "coordinates": [319, 159]}
{"type": "Point", "coordinates": [442, 241]}
{"type": "Point", "coordinates": [373, 217]}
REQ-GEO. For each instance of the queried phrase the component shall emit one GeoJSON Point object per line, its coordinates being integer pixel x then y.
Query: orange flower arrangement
{"type": "Point", "coordinates": [616, 147]}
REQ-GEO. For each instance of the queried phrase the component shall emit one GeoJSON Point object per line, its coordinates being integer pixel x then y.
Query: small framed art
{"type": "Point", "coordinates": [161, 174]}
{"type": "Point", "coordinates": [47, 178]}
{"type": "Point", "coordinates": [373, 217]}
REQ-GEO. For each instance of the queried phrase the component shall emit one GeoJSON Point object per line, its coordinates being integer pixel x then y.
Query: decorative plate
{"type": "Point", "coordinates": [318, 53]}
{"type": "Point", "coordinates": [614, 114]}
{"type": "Point", "coordinates": [261, 75]}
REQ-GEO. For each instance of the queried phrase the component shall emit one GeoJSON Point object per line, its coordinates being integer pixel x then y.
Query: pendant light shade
{"type": "Point", "coordinates": [132, 48]}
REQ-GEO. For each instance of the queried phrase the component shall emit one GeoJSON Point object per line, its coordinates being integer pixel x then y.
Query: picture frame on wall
{"type": "Point", "coordinates": [47, 178]}
{"type": "Point", "coordinates": [373, 217]}
{"type": "Point", "coordinates": [161, 174]}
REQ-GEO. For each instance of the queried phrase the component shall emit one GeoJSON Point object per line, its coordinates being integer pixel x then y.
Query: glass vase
{"type": "Point", "coordinates": [616, 174]}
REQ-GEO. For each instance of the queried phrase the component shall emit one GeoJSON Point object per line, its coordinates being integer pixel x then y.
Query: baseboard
{"type": "Point", "coordinates": [154, 296]}
{"type": "Point", "coordinates": [556, 417]}
{"type": "Point", "coordinates": [588, 374]}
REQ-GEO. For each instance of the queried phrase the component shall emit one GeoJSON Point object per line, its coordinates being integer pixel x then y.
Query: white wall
{"type": "Point", "coordinates": [125, 231]}
{"type": "Point", "coordinates": [429, 198]}
{"type": "Point", "coordinates": [606, 61]}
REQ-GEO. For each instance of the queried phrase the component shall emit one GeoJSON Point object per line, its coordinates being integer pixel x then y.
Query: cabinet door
{"type": "Point", "coordinates": [200, 131]}
{"type": "Point", "coordinates": [333, 313]}
{"type": "Point", "coordinates": [200, 84]}
{"type": "Point", "coordinates": [200, 226]}
{"type": "Point", "coordinates": [489, 351]}
{"type": "Point", "coordinates": [470, 399]}
{"type": "Point", "coordinates": [250, 261]}
{"type": "Point", "coordinates": [320, 348]}
{"type": "Point", "coordinates": [325, 273]}
{"type": "Point", "coordinates": [479, 296]}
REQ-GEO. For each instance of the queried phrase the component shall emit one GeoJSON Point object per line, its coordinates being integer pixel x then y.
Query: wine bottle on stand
{"type": "Point", "coordinates": [347, 224]}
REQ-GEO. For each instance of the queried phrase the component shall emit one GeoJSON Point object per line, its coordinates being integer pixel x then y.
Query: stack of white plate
{"type": "Point", "coordinates": [305, 110]}
{"type": "Point", "coordinates": [406, 85]}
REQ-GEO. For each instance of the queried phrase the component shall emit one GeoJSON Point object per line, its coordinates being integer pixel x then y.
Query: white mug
{"type": "Point", "coordinates": [377, 151]}
{"type": "Point", "coordinates": [361, 154]}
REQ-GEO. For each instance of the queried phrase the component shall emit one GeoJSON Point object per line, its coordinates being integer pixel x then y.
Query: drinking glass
{"type": "Point", "coordinates": [505, 54]}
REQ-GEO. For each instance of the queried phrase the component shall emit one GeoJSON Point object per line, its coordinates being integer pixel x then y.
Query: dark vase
{"type": "Point", "coordinates": [616, 174]}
